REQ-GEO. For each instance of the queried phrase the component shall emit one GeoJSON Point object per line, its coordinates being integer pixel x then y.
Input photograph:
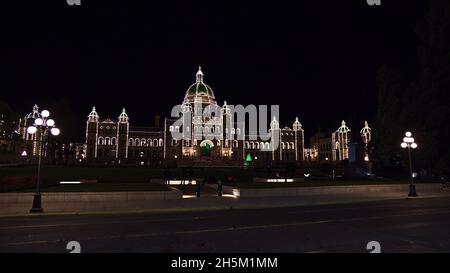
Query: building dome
{"type": "Point", "coordinates": [200, 92]}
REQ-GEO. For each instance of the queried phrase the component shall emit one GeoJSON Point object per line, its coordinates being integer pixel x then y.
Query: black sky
{"type": "Point", "coordinates": [316, 59]}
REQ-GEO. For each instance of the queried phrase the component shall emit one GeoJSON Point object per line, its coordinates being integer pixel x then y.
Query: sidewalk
{"type": "Point", "coordinates": [209, 202]}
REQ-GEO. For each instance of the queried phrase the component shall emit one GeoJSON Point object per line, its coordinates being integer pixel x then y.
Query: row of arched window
{"type": "Point", "coordinates": [205, 129]}
{"type": "Point", "coordinates": [266, 145]}
{"type": "Point", "coordinates": [107, 141]}
{"type": "Point", "coordinates": [145, 142]}
{"type": "Point", "coordinates": [256, 145]}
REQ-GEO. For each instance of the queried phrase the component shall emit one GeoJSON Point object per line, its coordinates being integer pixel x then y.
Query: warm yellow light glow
{"type": "Point", "coordinates": [178, 182]}
{"type": "Point", "coordinates": [280, 180]}
{"type": "Point", "coordinates": [366, 158]}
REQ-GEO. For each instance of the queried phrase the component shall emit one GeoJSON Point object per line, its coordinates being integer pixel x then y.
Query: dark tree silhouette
{"type": "Point", "coordinates": [420, 102]}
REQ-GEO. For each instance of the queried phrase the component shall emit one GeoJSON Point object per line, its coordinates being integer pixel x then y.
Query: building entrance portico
{"type": "Point", "coordinates": [205, 147]}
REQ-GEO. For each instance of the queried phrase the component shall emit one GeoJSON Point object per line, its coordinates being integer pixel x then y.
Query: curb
{"type": "Point", "coordinates": [203, 209]}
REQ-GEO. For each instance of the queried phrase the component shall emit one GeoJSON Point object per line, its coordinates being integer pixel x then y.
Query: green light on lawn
{"type": "Point", "coordinates": [248, 158]}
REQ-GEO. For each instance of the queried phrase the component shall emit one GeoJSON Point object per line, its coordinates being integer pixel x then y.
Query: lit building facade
{"type": "Point", "coordinates": [336, 146]}
{"type": "Point", "coordinates": [32, 142]}
{"type": "Point", "coordinates": [201, 137]}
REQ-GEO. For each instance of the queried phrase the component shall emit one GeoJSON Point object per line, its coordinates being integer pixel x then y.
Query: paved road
{"type": "Point", "coordinates": [419, 225]}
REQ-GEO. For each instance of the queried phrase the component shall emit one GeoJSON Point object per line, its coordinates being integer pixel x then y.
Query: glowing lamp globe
{"type": "Point", "coordinates": [55, 131]}
{"type": "Point", "coordinates": [414, 145]}
{"type": "Point", "coordinates": [404, 145]}
{"type": "Point", "coordinates": [50, 122]}
{"type": "Point", "coordinates": [38, 121]}
{"type": "Point", "coordinates": [408, 134]}
{"type": "Point", "coordinates": [45, 114]}
{"type": "Point", "coordinates": [31, 130]}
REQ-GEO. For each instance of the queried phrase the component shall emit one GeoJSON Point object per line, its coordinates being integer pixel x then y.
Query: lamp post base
{"type": "Point", "coordinates": [412, 191]}
{"type": "Point", "coordinates": [37, 206]}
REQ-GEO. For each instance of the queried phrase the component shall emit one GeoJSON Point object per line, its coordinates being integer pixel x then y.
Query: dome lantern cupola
{"type": "Point", "coordinates": [199, 75]}
{"type": "Point", "coordinates": [200, 92]}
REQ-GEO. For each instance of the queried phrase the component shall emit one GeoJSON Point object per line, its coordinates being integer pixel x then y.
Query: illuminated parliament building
{"type": "Point", "coordinates": [117, 141]}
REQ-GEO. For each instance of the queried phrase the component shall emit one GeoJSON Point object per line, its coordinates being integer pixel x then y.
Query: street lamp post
{"type": "Point", "coordinates": [408, 143]}
{"type": "Point", "coordinates": [44, 124]}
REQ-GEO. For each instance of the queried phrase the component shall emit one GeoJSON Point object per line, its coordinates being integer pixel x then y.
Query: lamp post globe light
{"type": "Point", "coordinates": [408, 143]}
{"type": "Point", "coordinates": [44, 125]}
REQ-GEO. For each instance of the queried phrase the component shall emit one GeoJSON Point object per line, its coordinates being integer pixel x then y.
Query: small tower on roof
{"type": "Point", "coordinates": [123, 118]}
{"type": "Point", "coordinates": [296, 126]}
{"type": "Point", "coordinates": [93, 116]}
{"type": "Point", "coordinates": [274, 125]}
{"type": "Point", "coordinates": [366, 133]}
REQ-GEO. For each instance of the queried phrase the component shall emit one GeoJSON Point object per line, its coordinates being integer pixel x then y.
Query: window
{"type": "Point", "coordinates": [138, 143]}
{"type": "Point", "coordinates": [177, 129]}
{"type": "Point", "coordinates": [235, 144]}
{"type": "Point", "coordinates": [238, 130]}
{"type": "Point", "coordinates": [100, 141]}
{"type": "Point", "coordinates": [130, 142]}
{"type": "Point", "coordinates": [107, 141]}
{"type": "Point", "coordinates": [143, 142]}
{"type": "Point", "coordinates": [113, 141]}
{"type": "Point", "coordinates": [171, 129]}
{"type": "Point", "coordinates": [155, 143]}
{"type": "Point", "coordinates": [160, 142]}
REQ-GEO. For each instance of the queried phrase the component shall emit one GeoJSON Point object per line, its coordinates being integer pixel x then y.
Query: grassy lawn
{"type": "Point", "coordinates": [60, 173]}
{"type": "Point", "coordinates": [119, 175]}
{"type": "Point", "coordinates": [262, 185]}
{"type": "Point", "coordinates": [103, 187]}
{"type": "Point", "coordinates": [136, 179]}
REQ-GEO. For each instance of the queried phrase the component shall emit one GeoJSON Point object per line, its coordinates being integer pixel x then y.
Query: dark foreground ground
{"type": "Point", "coordinates": [419, 225]}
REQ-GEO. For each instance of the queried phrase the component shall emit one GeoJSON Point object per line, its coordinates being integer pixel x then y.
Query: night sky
{"type": "Point", "coordinates": [317, 60]}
